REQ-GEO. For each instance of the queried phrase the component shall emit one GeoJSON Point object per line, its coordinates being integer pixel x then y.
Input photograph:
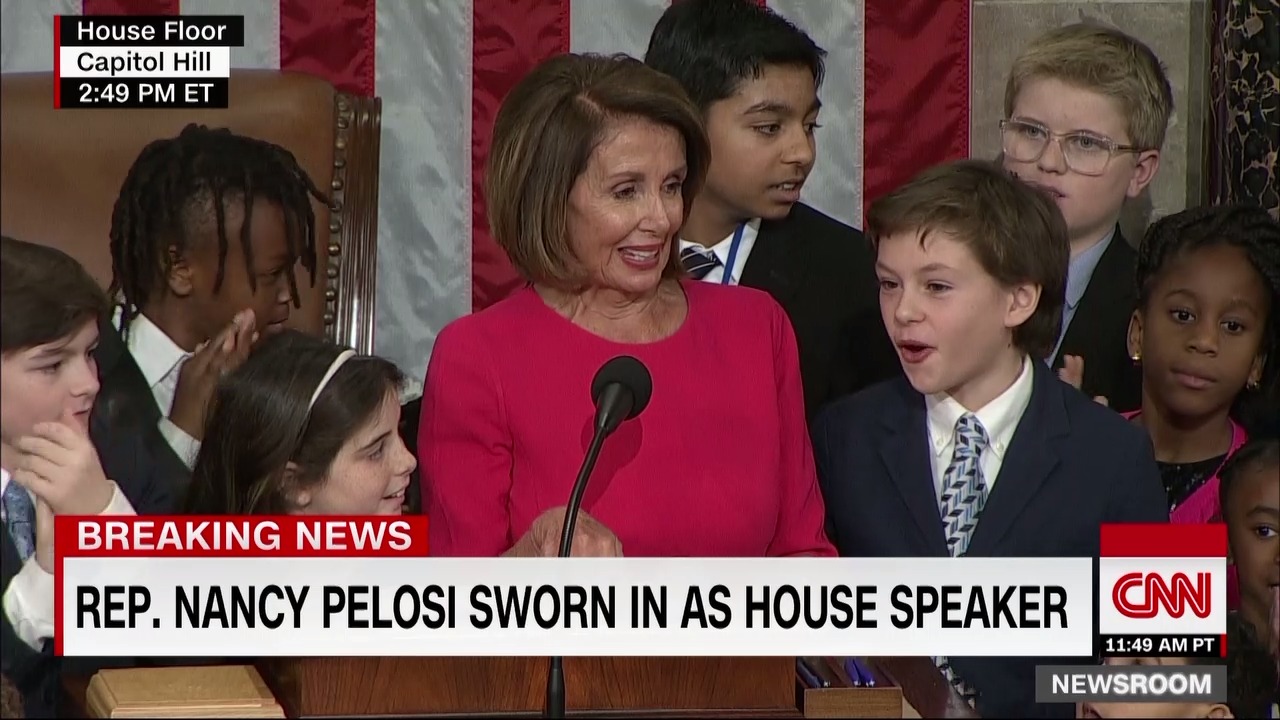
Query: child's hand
{"type": "Point", "coordinates": [59, 465]}
{"type": "Point", "coordinates": [1072, 373]}
{"type": "Point", "coordinates": [199, 375]}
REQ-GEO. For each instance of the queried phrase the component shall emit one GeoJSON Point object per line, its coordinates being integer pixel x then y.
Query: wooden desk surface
{"type": "Point", "coordinates": [916, 672]}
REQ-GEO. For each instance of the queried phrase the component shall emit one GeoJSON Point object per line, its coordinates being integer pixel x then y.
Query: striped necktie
{"type": "Point", "coordinates": [964, 493]}
{"type": "Point", "coordinates": [20, 519]}
{"type": "Point", "coordinates": [698, 261]}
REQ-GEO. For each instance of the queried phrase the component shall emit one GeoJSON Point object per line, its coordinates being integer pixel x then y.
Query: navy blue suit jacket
{"type": "Point", "coordinates": [1072, 465]}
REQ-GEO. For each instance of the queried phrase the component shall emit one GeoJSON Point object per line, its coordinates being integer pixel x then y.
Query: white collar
{"type": "Point", "coordinates": [155, 352]}
{"type": "Point", "coordinates": [999, 417]}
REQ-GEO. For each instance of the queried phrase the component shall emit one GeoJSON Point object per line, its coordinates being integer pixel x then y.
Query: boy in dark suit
{"type": "Point", "coordinates": [980, 449]}
{"type": "Point", "coordinates": [59, 454]}
{"type": "Point", "coordinates": [206, 233]}
{"type": "Point", "coordinates": [755, 76]}
{"type": "Point", "coordinates": [1086, 109]}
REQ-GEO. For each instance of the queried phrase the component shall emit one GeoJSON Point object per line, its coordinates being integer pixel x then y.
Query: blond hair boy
{"type": "Point", "coordinates": [1086, 109]}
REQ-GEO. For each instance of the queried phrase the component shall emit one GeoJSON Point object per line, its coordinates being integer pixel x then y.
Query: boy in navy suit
{"type": "Point", "coordinates": [59, 453]}
{"type": "Point", "coordinates": [979, 449]}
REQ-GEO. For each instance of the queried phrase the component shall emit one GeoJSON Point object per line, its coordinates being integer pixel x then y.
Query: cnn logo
{"type": "Point", "coordinates": [1141, 595]}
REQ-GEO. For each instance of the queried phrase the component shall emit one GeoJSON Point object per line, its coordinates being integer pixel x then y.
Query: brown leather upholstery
{"type": "Point", "coordinates": [60, 172]}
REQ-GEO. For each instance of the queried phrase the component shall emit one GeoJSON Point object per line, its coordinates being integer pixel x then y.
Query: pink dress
{"type": "Point", "coordinates": [1202, 505]}
{"type": "Point", "coordinates": [718, 465]}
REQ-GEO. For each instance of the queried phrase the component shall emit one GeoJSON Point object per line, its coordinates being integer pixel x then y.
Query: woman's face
{"type": "Point", "coordinates": [370, 474]}
{"type": "Point", "coordinates": [626, 207]}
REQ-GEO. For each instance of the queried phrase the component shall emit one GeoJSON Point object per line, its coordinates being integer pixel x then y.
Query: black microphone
{"type": "Point", "coordinates": [621, 391]}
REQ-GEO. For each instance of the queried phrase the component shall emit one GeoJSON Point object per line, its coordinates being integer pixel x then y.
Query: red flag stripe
{"type": "Point", "coordinates": [132, 7]}
{"type": "Point", "coordinates": [916, 55]}
{"type": "Point", "coordinates": [509, 38]}
{"type": "Point", "coordinates": [334, 39]}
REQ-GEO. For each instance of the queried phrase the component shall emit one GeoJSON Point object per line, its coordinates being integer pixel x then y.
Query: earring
{"type": "Point", "coordinates": [1252, 386]}
{"type": "Point", "coordinates": [1136, 356]}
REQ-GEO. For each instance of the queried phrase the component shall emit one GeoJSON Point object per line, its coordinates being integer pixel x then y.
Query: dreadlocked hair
{"type": "Point", "coordinates": [178, 184]}
{"type": "Point", "coordinates": [1247, 227]}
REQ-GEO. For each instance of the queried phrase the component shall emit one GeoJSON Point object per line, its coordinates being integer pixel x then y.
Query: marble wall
{"type": "Point", "coordinates": [1177, 30]}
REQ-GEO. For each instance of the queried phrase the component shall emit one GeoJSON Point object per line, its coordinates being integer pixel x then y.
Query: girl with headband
{"type": "Point", "coordinates": [305, 426]}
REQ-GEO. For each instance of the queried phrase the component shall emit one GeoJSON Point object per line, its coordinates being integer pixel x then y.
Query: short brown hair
{"type": "Point", "coordinates": [1016, 232]}
{"type": "Point", "coordinates": [1106, 61]}
{"type": "Point", "coordinates": [543, 138]}
{"type": "Point", "coordinates": [45, 295]}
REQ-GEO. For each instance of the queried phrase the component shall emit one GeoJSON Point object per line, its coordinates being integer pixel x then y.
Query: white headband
{"type": "Point", "coordinates": [344, 356]}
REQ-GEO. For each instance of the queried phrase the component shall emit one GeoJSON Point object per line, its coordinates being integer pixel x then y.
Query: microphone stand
{"type": "Point", "coordinates": [555, 677]}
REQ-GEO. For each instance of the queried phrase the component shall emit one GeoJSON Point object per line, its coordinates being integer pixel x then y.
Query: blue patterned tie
{"type": "Point", "coordinates": [698, 261]}
{"type": "Point", "coordinates": [20, 519]}
{"type": "Point", "coordinates": [964, 493]}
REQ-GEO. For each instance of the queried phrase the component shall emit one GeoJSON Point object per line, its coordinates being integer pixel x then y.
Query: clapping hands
{"type": "Point", "coordinates": [199, 375]}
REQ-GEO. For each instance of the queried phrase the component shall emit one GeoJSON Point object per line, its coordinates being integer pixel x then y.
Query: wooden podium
{"type": "Point", "coordinates": [685, 686]}
{"type": "Point", "coordinates": [597, 687]}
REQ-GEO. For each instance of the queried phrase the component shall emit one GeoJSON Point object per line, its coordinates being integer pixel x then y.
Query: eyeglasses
{"type": "Point", "coordinates": [1084, 153]}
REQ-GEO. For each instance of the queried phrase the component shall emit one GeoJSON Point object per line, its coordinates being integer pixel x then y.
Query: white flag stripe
{"type": "Point", "coordinates": [26, 35]}
{"type": "Point", "coordinates": [835, 185]}
{"type": "Point", "coordinates": [424, 190]}
{"type": "Point", "coordinates": [261, 49]}
{"type": "Point", "coordinates": [613, 26]}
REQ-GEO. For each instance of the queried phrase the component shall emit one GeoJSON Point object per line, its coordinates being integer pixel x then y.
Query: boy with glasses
{"type": "Point", "coordinates": [1086, 109]}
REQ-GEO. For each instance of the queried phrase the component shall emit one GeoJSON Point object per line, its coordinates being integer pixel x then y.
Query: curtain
{"type": "Point", "coordinates": [1245, 90]}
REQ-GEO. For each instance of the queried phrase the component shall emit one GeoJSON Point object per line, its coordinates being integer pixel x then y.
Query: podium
{"type": "Point", "coordinates": [597, 686]}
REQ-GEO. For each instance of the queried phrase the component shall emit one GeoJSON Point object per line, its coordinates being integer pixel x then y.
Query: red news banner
{"type": "Point", "coordinates": [1163, 590]}
{"type": "Point", "coordinates": [144, 61]}
{"type": "Point", "coordinates": [209, 537]}
{"type": "Point", "coordinates": [230, 586]}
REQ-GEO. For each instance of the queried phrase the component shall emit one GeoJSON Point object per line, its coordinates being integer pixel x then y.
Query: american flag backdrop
{"type": "Point", "coordinates": [896, 99]}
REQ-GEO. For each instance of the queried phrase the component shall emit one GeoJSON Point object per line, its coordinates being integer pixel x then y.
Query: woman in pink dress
{"type": "Point", "coordinates": [593, 166]}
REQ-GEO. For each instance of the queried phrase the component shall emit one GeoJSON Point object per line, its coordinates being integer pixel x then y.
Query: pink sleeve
{"type": "Point", "coordinates": [801, 513]}
{"type": "Point", "coordinates": [464, 449]}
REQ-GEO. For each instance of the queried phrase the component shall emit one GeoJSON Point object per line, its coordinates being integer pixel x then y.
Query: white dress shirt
{"type": "Point", "coordinates": [999, 418]}
{"type": "Point", "coordinates": [750, 232]}
{"type": "Point", "coordinates": [160, 359]}
{"type": "Point", "coordinates": [28, 601]}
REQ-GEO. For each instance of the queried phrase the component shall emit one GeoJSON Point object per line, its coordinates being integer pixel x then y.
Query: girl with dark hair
{"type": "Point", "coordinates": [304, 426]}
{"type": "Point", "coordinates": [1204, 333]}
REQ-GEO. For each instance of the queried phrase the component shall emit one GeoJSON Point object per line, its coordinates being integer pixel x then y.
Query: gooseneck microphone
{"type": "Point", "coordinates": [621, 391]}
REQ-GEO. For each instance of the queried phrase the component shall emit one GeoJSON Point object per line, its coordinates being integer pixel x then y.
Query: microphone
{"type": "Point", "coordinates": [621, 391]}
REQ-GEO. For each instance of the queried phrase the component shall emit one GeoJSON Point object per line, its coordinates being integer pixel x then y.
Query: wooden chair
{"type": "Point", "coordinates": [61, 170]}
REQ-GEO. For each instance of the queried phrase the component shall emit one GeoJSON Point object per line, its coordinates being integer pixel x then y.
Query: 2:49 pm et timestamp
{"type": "Point", "coordinates": [143, 93]}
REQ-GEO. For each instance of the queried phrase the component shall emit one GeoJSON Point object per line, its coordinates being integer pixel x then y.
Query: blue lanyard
{"type": "Point", "coordinates": [727, 278]}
